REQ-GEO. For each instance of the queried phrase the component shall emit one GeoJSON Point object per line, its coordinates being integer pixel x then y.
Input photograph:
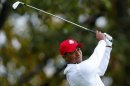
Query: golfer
{"type": "Point", "coordinates": [87, 72]}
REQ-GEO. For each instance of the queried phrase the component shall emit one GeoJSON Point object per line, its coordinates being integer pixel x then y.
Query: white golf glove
{"type": "Point", "coordinates": [108, 40]}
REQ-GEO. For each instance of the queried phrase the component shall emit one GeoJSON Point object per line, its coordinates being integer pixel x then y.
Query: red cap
{"type": "Point", "coordinates": [68, 45]}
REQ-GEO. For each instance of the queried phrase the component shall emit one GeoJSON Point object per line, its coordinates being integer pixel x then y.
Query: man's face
{"type": "Point", "coordinates": [74, 57]}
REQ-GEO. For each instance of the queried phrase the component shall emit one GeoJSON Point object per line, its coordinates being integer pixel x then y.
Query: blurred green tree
{"type": "Point", "coordinates": [29, 39]}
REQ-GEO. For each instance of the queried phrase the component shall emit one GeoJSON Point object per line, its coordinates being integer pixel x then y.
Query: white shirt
{"type": "Point", "coordinates": [88, 72]}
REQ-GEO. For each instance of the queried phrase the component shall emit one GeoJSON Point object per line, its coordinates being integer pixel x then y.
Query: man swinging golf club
{"type": "Point", "coordinates": [87, 72]}
{"type": "Point", "coordinates": [78, 72]}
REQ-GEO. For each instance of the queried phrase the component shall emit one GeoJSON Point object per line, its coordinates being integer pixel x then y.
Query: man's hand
{"type": "Point", "coordinates": [100, 35]}
{"type": "Point", "coordinates": [104, 36]}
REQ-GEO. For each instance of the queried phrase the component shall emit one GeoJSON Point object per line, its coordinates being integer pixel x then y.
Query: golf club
{"type": "Point", "coordinates": [16, 4]}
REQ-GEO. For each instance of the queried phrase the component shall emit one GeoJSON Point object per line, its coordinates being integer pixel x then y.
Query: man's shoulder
{"type": "Point", "coordinates": [70, 68]}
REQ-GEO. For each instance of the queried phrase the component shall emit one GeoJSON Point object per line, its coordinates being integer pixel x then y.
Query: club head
{"type": "Point", "coordinates": [15, 5]}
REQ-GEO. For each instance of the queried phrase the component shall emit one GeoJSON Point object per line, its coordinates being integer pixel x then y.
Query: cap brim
{"type": "Point", "coordinates": [80, 45]}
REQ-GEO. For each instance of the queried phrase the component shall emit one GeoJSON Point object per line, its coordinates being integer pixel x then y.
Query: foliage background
{"type": "Point", "coordinates": [29, 39]}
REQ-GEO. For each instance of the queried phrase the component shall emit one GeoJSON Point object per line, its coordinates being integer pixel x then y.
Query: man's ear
{"type": "Point", "coordinates": [65, 58]}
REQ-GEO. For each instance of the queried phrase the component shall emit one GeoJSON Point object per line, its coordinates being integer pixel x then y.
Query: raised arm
{"type": "Point", "coordinates": [94, 60]}
{"type": "Point", "coordinates": [105, 60]}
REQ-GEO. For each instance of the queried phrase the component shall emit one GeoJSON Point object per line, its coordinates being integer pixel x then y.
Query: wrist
{"type": "Point", "coordinates": [109, 46]}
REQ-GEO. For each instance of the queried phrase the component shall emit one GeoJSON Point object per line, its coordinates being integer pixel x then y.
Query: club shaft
{"type": "Point", "coordinates": [60, 18]}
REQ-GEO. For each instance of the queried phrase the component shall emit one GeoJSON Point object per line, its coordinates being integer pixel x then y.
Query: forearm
{"type": "Point", "coordinates": [98, 53]}
{"type": "Point", "coordinates": [94, 60]}
{"type": "Point", "coordinates": [104, 62]}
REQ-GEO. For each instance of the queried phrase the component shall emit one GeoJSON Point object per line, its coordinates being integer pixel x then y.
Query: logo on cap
{"type": "Point", "coordinates": [71, 42]}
